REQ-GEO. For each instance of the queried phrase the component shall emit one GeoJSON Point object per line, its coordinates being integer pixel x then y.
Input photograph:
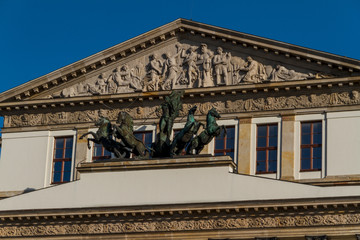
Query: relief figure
{"type": "Point", "coordinates": [155, 71]}
{"type": "Point", "coordinates": [281, 73]}
{"type": "Point", "coordinates": [205, 60]}
{"type": "Point", "coordinates": [256, 72]}
{"type": "Point", "coordinates": [192, 71]}
{"type": "Point", "coordinates": [221, 66]}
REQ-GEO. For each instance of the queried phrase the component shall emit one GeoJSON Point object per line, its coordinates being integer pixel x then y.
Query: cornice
{"type": "Point", "coordinates": [163, 33]}
{"type": "Point", "coordinates": [237, 90]}
{"type": "Point", "coordinates": [299, 214]}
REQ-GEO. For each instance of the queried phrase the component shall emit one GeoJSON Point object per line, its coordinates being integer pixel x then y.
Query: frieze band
{"type": "Point", "coordinates": [185, 66]}
{"type": "Point", "coordinates": [235, 106]}
{"type": "Point", "coordinates": [179, 225]}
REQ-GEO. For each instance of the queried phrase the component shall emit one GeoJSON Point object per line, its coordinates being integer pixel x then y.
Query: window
{"type": "Point", "coordinates": [100, 153]}
{"type": "Point", "coordinates": [311, 146]}
{"type": "Point", "coordinates": [62, 159]}
{"type": "Point", "coordinates": [145, 137]}
{"type": "Point", "coordinates": [225, 144]}
{"type": "Point", "coordinates": [266, 148]}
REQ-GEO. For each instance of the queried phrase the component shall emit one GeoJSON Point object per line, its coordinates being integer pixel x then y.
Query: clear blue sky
{"type": "Point", "coordinates": [40, 36]}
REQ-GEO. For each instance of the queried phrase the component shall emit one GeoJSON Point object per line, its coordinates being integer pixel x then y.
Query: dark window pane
{"type": "Point", "coordinates": [273, 141]}
{"type": "Point", "coordinates": [59, 143]}
{"type": "Point", "coordinates": [317, 138]}
{"type": "Point", "coordinates": [305, 128]}
{"type": "Point", "coordinates": [107, 153]}
{"type": "Point", "coordinates": [58, 153]}
{"type": "Point", "coordinates": [57, 177]}
{"type": "Point", "coordinates": [66, 177]}
{"type": "Point", "coordinates": [317, 152]}
{"type": "Point", "coordinates": [305, 153]}
{"type": "Point", "coordinates": [219, 143]}
{"type": "Point", "coordinates": [261, 156]}
{"type": "Point", "coordinates": [68, 152]}
{"type": "Point", "coordinates": [273, 130]}
{"type": "Point", "coordinates": [305, 164]}
{"type": "Point", "coordinates": [148, 138]}
{"type": "Point", "coordinates": [272, 155]}
{"type": "Point", "coordinates": [230, 132]}
{"type": "Point", "coordinates": [317, 127]}
{"type": "Point", "coordinates": [272, 166]}
{"type": "Point", "coordinates": [261, 131]}
{"type": "Point", "coordinates": [317, 163]}
{"type": "Point", "coordinates": [69, 143]}
{"type": "Point", "coordinates": [67, 166]}
{"type": "Point", "coordinates": [261, 166]}
{"type": "Point", "coordinates": [230, 143]}
{"type": "Point", "coordinates": [306, 139]}
{"type": "Point", "coordinates": [261, 142]}
{"type": "Point", "coordinates": [57, 166]}
{"type": "Point", "coordinates": [97, 151]}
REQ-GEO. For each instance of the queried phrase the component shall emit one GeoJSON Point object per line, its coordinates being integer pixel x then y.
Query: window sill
{"type": "Point", "coordinates": [310, 170]}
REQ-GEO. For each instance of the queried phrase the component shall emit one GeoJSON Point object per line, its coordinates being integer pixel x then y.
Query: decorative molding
{"type": "Point", "coordinates": [113, 225]}
{"type": "Point", "coordinates": [345, 98]}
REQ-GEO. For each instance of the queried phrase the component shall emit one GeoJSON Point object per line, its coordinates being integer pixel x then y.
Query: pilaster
{"type": "Point", "coordinates": [288, 147]}
{"type": "Point", "coordinates": [244, 156]}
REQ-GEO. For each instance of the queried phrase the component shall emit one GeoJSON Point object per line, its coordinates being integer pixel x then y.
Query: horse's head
{"type": "Point", "coordinates": [101, 121]}
{"type": "Point", "coordinates": [125, 118]}
{"type": "Point", "coordinates": [193, 109]}
{"type": "Point", "coordinates": [214, 113]}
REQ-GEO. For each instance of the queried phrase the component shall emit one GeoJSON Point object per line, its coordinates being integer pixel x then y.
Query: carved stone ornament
{"type": "Point", "coordinates": [235, 106]}
{"type": "Point", "coordinates": [113, 226]}
{"type": "Point", "coordinates": [185, 66]}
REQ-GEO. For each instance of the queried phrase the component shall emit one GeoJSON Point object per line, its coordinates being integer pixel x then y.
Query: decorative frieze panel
{"type": "Point", "coordinates": [183, 66]}
{"type": "Point", "coordinates": [111, 225]}
{"type": "Point", "coordinates": [227, 106]}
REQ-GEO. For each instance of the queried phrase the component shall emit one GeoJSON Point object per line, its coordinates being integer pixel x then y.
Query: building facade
{"type": "Point", "coordinates": [287, 168]}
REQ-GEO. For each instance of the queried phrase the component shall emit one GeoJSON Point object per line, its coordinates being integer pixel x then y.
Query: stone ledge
{"type": "Point", "coordinates": [179, 162]}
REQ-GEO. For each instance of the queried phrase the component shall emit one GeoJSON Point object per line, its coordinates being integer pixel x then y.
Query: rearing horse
{"type": "Point", "coordinates": [212, 130]}
{"type": "Point", "coordinates": [186, 134]}
{"type": "Point", "coordinates": [124, 131]}
{"type": "Point", "coordinates": [103, 136]}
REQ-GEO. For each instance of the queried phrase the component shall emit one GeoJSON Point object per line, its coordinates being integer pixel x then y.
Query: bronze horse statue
{"type": "Point", "coordinates": [104, 137]}
{"type": "Point", "coordinates": [124, 131]}
{"type": "Point", "coordinates": [212, 130]}
{"type": "Point", "coordinates": [183, 137]}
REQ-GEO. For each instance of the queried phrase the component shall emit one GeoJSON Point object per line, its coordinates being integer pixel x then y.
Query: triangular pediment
{"type": "Point", "coordinates": [185, 55]}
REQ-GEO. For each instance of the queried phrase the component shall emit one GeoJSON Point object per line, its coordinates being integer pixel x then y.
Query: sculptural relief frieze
{"type": "Point", "coordinates": [185, 66]}
{"type": "Point", "coordinates": [170, 225]}
{"type": "Point", "coordinates": [229, 106]}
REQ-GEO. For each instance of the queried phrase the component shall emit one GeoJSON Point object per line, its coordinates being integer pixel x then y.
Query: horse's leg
{"type": "Point", "coordinates": [92, 133]}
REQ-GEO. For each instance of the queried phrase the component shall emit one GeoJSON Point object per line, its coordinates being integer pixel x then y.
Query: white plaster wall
{"type": "Point", "coordinates": [26, 160]}
{"type": "Point", "coordinates": [23, 160]}
{"type": "Point", "coordinates": [167, 186]}
{"type": "Point", "coordinates": [343, 143]}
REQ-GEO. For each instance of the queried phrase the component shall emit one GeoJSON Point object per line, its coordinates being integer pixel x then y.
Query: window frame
{"type": "Point", "coordinates": [311, 146]}
{"type": "Point", "coordinates": [63, 159]}
{"type": "Point", "coordinates": [102, 156]}
{"type": "Point", "coordinates": [267, 148]}
{"type": "Point", "coordinates": [224, 150]}
{"type": "Point", "coordinates": [145, 131]}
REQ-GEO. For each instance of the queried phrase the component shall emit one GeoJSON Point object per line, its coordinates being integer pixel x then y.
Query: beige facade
{"type": "Point", "coordinates": [254, 83]}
